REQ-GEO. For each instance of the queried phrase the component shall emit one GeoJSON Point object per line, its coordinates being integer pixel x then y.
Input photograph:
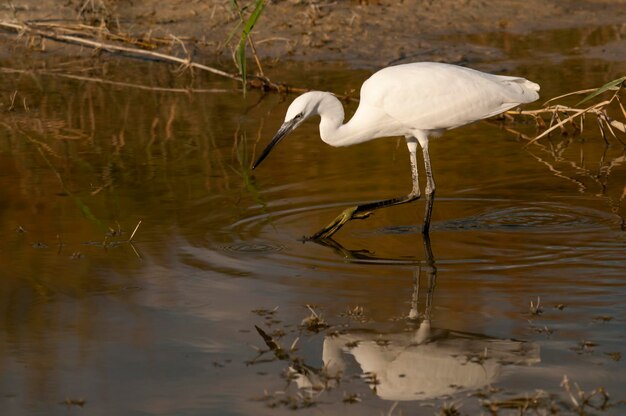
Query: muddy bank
{"type": "Point", "coordinates": [364, 33]}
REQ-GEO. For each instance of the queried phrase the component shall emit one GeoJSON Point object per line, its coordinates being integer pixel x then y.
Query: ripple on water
{"type": "Point", "coordinates": [482, 236]}
{"type": "Point", "coordinates": [287, 214]}
{"type": "Point", "coordinates": [504, 216]}
{"type": "Point", "coordinates": [401, 229]}
{"type": "Point", "coordinates": [252, 247]}
{"type": "Point", "coordinates": [543, 217]}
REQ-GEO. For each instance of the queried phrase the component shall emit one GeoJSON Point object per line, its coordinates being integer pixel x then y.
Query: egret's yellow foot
{"type": "Point", "coordinates": [348, 214]}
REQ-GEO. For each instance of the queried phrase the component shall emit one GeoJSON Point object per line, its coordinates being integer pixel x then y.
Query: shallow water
{"type": "Point", "coordinates": [166, 325]}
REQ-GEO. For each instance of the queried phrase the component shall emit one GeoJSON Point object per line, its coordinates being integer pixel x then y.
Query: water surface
{"type": "Point", "coordinates": [166, 325]}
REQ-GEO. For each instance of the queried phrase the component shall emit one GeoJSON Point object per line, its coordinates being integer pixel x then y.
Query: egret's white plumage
{"type": "Point", "coordinates": [416, 101]}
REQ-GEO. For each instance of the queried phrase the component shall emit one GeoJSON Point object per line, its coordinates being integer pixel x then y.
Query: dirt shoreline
{"type": "Point", "coordinates": [363, 33]}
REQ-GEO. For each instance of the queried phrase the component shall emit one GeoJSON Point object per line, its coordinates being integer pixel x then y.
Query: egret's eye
{"type": "Point", "coordinates": [299, 116]}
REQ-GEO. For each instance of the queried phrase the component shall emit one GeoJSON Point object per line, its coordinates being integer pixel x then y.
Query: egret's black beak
{"type": "Point", "coordinates": [284, 130]}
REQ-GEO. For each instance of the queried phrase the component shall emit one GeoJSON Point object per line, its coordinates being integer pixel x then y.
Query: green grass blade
{"type": "Point", "coordinates": [604, 88]}
{"type": "Point", "coordinates": [256, 13]}
{"type": "Point", "coordinates": [240, 53]}
{"type": "Point", "coordinates": [241, 62]}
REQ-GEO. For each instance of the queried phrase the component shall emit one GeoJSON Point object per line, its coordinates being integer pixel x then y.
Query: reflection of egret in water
{"type": "Point", "coordinates": [417, 361]}
{"type": "Point", "coordinates": [424, 362]}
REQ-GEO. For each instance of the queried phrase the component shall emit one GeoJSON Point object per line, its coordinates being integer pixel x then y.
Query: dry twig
{"type": "Point", "coordinates": [573, 114]}
{"type": "Point", "coordinates": [81, 33]}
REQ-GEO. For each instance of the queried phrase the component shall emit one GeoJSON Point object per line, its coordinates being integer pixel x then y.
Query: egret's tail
{"type": "Point", "coordinates": [522, 90]}
{"type": "Point", "coordinates": [532, 90]}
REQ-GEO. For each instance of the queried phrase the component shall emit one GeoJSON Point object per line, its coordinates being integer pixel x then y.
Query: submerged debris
{"type": "Point", "coordinates": [541, 402]}
{"type": "Point", "coordinates": [584, 346]}
{"type": "Point", "coordinates": [74, 402]}
{"type": "Point", "coordinates": [351, 398]}
{"type": "Point", "coordinates": [535, 309]}
{"type": "Point", "coordinates": [265, 312]}
{"type": "Point", "coordinates": [314, 322]}
{"type": "Point", "coordinates": [598, 399]}
{"type": "Point", "coordinates": [357, 313]}
{"type": "Point", "coordinates": [282, 399]}
{"type": "Point", "coordinates": [603, 318]}
{"type": "Point", "coordinates": [449, 409]}
{"type": "Point", "coordinates": [542, 330]}
{"type": "Point", "coordinates": [274, 346]}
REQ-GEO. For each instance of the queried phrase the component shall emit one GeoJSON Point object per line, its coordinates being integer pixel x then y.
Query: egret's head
{"type": "Point", "coordinates": [304, 106]}
{"type": "Point", "coordinates": [300, 109]}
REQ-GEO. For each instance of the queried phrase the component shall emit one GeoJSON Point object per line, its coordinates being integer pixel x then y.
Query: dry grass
{"type": "Point", "coordinates": [314, 322]}
{"type": "Point", "coordinates": [570, 120]}
{"type": "Point", "coordinates": [597, 399]}
{"type": "Point", "coordinates": [535, 309]}
{"type": "Point", "coordinates": [118, 42]}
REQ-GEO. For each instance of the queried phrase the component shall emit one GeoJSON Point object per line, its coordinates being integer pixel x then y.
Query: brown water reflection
{"type": "Point", "coordinates": [166, 326]}
{"type": "Point", "coordinates": [411, 361]}
{"type": "Point", "coordinates": [419, 362]}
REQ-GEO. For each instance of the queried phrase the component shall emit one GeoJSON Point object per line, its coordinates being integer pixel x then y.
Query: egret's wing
{"type": "Point", "coordinates": [431, 96]}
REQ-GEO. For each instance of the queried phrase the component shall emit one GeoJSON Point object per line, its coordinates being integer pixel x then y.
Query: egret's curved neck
{"type": "Point", "coordinates": [332, 129]}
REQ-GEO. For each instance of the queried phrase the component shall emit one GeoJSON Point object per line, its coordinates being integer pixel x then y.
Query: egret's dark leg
{"type": "Point", "coordinates": [430, 188]}
{"type": "Point", "coordinates": [431, 272]}
{"type": "Point", "coordinates": [365, 210]}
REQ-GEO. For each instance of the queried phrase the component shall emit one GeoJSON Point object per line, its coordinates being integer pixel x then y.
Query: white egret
{"type": "Point", "coordinates": [417, 101]}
